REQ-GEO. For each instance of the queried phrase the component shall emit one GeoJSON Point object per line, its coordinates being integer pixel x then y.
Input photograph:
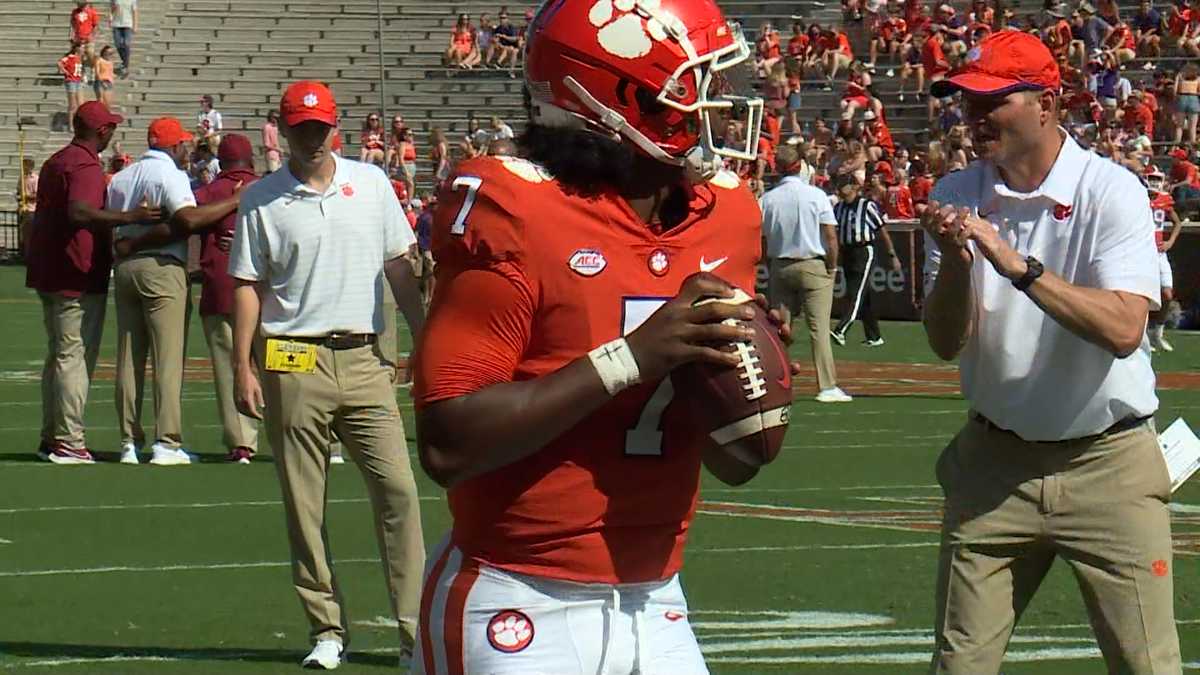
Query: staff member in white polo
{"type": "Point", "coordinates": [314, 245]}
{"type": "Point", "coordinates": [1041, 272]}
{"type": "Point", "coordinates": [800, 242]}
{"type": "Point", "coordinates": [152, 290]}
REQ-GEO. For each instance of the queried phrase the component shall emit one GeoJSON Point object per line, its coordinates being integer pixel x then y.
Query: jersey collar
{"type": "Point", "coordinates": [1059, 185]}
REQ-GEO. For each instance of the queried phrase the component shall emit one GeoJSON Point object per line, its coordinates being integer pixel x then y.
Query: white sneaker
{"type": "Point", "coordinates": [337, 459]}
{"type": "Point", "coordinates": [1149, 66]}
{"type": "Point", "coordinates": [327, 655]}
{"type": "Point", "coordinates": [129, 454]}
{"type": "Point", "coordinates": [1164, 345]}
{"type": "Point", "coordinates": [164, 456]}
{"type": "Point", "coordinates": [877, 342]}
{"type": "Point", "coordinates": [891, 72]}
{"type": "Point", "coordinates": [838, 337]}
{"type": "Point", "coordinates": [834, 395]}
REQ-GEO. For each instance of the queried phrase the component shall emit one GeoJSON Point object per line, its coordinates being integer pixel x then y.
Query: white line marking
{"type": "Point", "coordinates": [814, 547]}
{"type": "Point", "coordinates": [1184, 508]}
{"type": "Point", "coordinates": [173, 568]}
{"type": "Point", "coordinates": [847, 488]}
{"type": "Point", "coordinates": [844, 641]}
{"type": "Point", "coordinates": [53, 663]}
{"type": "Point", "coordinates": [5, 541]}
{"type": "Point", "coordinates": [196, 505]}
{"type": "Point", "coordinates": [1051, 654]}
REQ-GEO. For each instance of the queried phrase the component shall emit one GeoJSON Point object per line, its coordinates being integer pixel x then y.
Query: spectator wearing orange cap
{"type": "Point", "coordinates": [152, 290]}
{"type": "Point", "coordinates": [1184, 179]}
{"type": "Point", "coordinates": [69, 257]}
{"type": "Point", "coordinates": [314, 245]}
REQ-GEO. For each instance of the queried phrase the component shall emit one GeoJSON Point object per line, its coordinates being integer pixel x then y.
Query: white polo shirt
{"type": "Point", "coordinates": [793, 213]}
{"type": "Point", "coordinates": [1090, 224]}
{"type": "Point", "coordinates": [157, 181]}
{"type": "Point", "coordinates": [320, 256]}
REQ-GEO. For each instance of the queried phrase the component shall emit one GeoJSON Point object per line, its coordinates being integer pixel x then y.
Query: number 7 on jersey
{"type": "Point", "coordinates": [472, 184]}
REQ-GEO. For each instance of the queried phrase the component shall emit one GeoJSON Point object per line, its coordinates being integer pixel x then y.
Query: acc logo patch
{"type": "Point", "coordinates": [1062, 211]}
{"type": "Point", "coordinates": [587, 262]}
{"type": "Point", "coordinates": [510, 631]}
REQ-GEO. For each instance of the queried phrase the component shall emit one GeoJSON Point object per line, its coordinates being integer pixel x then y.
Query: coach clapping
{"type": "Point", "coordinates": [1040, 273]}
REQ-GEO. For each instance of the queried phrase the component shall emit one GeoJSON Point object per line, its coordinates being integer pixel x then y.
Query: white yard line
{"type": "Point", "coordinates": [837, 641]}
{"type": "Point", "coordinates": [922, 657]}
{"type": "Point", "coordinates": [195, 505]}
{"type": "Point", "coordinates": [813, 547]}
{"type": "Point", "coordinates": [195, 567]}
{"type": "Point", "coordinates": [847, 488]}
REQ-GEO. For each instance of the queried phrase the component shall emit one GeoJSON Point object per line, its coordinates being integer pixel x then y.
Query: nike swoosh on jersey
{"type": "Point", "coordinates": [706, 266]}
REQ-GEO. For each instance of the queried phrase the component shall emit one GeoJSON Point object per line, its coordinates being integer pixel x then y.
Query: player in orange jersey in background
{"type": "Point", "coordinates": [573, 466]}
{"type": "Point", "coordinates": [1163, 207]}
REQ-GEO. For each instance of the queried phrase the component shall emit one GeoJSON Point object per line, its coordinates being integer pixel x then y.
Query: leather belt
{"type": "Point", "coordinates": [1124, 424]}
{"type": "Point", "coordinates": [338, 341]}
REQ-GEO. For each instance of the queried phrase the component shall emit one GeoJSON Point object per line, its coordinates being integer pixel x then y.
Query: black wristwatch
{"type": "Point", "coordinates": [1033, 271]}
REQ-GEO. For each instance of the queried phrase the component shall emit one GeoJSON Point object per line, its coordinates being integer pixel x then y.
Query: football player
{"type": "Point", "coordinates": [1163, 206]}
{"type": "Point", "coordinates": [565, 287]}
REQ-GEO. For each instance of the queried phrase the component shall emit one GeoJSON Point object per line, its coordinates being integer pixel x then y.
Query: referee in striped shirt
{"type": "Point", "coordinates": [860, 222]}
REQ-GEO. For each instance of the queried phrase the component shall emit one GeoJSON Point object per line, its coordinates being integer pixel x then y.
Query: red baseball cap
{"type": "Point", "coordinates": [308, 100]}
{"type": "Point", "coordinates": [235, 148]}
{"type": "Point", "coordinates": [1178, 153]}
{"type": "Point", "coordinates": [1002, 63]}
{"type": "Point", "coordinates": [167, 132]}
{"type": "Point", "coordinates": [95, 115]}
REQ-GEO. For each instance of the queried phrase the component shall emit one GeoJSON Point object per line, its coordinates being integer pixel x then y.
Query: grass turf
{"type": "Point", "coordinates": [116, 569]}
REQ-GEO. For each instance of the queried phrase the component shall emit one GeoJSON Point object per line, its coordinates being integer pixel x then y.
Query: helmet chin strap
{"type": "Point", "coordinates": [699, 164]}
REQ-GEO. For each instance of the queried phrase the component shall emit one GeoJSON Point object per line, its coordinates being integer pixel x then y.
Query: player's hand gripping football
{"type": "Point", "coordinates": [680, 333]}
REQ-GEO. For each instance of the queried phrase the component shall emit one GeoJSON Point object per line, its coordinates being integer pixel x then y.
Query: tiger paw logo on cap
{"type": "Point", "coordinates": [310, 101]}
{"type": "Point", "coordinates": [1063, 212]}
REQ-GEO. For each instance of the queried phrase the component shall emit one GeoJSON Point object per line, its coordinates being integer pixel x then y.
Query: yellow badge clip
{"type": "Point", "coordinates": [287, 356]}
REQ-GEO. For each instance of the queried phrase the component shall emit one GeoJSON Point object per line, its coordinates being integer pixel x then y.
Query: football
{"type": "Point", "coordinates": [745, 408]}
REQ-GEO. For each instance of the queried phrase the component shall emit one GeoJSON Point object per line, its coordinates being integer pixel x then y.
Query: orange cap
{"type": "Point", "coordinates": [1002, 63]}
{"type": "Point", "coordinates": [166, 132]}
{"type": "Point", "coordinates": [308, 100]}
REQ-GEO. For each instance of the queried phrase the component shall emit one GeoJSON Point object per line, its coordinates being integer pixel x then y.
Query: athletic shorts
{"type": "Point", "coordinates": [1165, 278]}
{"type": "Point", "coordinates": [480, 619]}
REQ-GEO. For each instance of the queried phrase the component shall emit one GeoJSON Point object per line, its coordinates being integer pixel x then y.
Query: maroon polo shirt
{"type": "Point", "coordinates": [64, 258]}
{"type": "Point", "coordinates": [216, 292]}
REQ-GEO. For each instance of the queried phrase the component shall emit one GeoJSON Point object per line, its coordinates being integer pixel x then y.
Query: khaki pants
{"type": "Point", "coordinates": [152, 307]}
{"type": "Point", "coordinates": [74, 327]}
{"type": "Point", "coordinates": [806, 286]}
{"type": "Point", "coordinates": [389, 345]}
{"type": "Point", "coordinates": [350, 392]}
{"type": "Point", "coordinates": [1013, 506]}
{"type": "Point", "coordinates": [239, 431]}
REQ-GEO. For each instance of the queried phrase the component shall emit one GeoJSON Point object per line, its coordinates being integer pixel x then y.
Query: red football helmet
{"type": "Point", "coordinates": [1155, 179]}
{"type": "Point", "coordinates": [659, 73]}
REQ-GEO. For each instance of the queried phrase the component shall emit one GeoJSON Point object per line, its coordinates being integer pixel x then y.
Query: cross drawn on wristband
{"type": "Point", "coordinates": [645, 439]}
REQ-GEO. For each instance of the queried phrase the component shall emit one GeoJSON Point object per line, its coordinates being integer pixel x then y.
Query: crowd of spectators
{"type": "Point", "coordinates": [86, 63]}
{"type": "Point", "coordinates": [493, 43]}
{"type": "Point", "coordinates": [1130, 91]}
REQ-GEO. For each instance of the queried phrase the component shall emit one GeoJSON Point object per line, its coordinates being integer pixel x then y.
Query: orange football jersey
{"type": "Point", "coordinates": [610, 501]}
{"type": "Point", "coordinates": [1161, 204]}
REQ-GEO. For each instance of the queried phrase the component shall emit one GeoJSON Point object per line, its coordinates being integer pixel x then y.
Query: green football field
{"type": "Point", "coordinates": [823, 564]}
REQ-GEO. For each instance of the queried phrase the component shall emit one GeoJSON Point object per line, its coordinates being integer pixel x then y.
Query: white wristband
{"type": "Point", "coordinates": [616, 366]}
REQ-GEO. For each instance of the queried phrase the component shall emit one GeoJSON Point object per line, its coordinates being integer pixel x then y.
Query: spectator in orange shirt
{"type": "Point", "coordinates": [878, 136]}
{"type": "Point", "coordinates": [936, 66]}
{"type": "Point", "coordinates": [71, 68]}
{"type": "Point", "coordinates": [1138, 114]}
{"type": "Point", "coordinates": [84, 22]}
{"type": "Point", "coordinates": [105, 76]}
{"type": "Point", "coordinates": [797, 46]}
{"type": "Point", "coordinates": [1121, 43]}
{"type": "Point", "coordinates": [462, 53]}
{"type": "Point", "coordinates": [1185, 179]}
{"type": "Point", "coordinates": [920, 185]}
{"type": "Point", "coordinates": [899, 202]}
{"type": "Point", "coordinates": [768, 51]}
{"type": "Point", "coordinates": [838, 54]}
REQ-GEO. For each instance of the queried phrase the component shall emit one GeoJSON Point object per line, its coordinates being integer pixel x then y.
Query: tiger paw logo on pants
{"type": "Point", "coordinates": [624, 32]}
{"type": "Point", "coordinates": [510, 631]}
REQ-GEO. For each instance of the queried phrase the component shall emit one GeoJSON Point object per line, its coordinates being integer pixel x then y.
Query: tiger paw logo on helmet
{"type": "Point", "coordinates": [622, 32]}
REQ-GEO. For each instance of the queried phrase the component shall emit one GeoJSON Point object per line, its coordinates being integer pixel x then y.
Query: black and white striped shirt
{"type": "Point", "coordinates": [858, 221]}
